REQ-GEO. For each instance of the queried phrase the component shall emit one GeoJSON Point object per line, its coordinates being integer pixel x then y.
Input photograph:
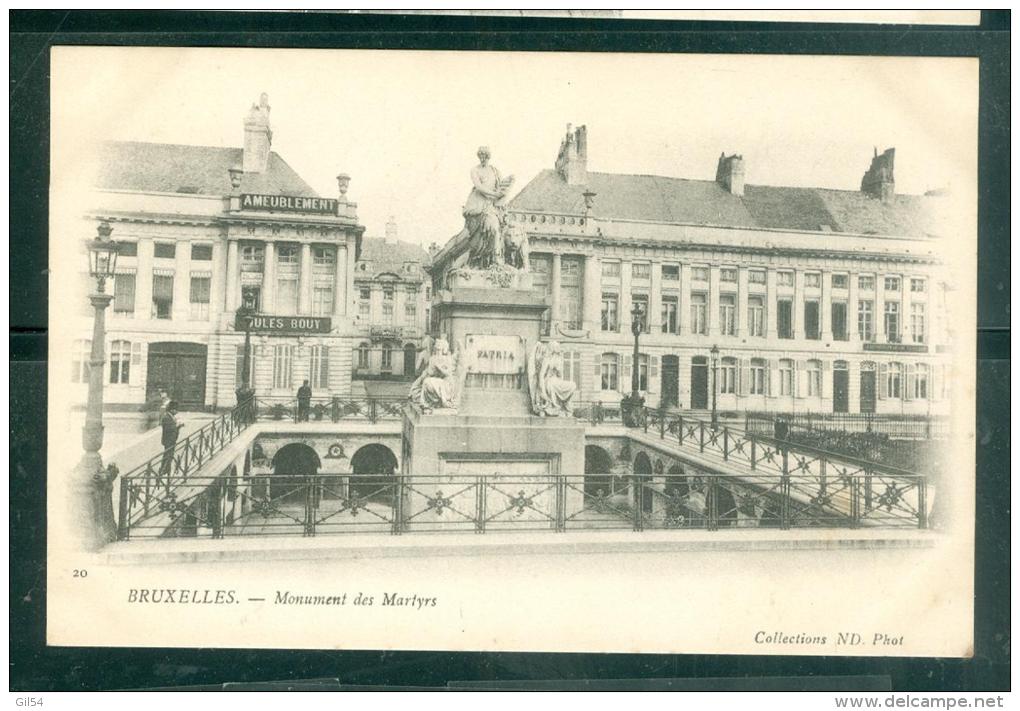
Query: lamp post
{"type": "Point", "coordinates": [715, 385]}
{"type": "Point", "coordinates": [244, 390]}
{"type": "Point", "coordinates": [93, 483]}
{"type": "Point", "coordinates": [632, 404]}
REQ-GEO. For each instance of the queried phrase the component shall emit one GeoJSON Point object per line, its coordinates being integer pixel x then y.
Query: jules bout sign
{"type": "Point", "coordinates": [284, 324]}
{"type": "Point", "coordinates": [287, 203]}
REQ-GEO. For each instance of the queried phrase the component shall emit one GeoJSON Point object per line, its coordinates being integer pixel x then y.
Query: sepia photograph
{"type": "Point", "coordinates": [512, 351]}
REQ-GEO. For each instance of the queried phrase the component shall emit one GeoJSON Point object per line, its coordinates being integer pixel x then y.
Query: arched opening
{"type": "Point", "coordinates": [725, 505]}
{"type": "Point", "coordinates": [642, 482]}
{"type": "Point", "coordinates": [374, 467]}
{"type": "Point", "coordinates": [598, 465]}
{"type": "Point", "coordinates": [292, 461]}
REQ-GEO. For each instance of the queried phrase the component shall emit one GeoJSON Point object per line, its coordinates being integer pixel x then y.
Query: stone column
{"type": "Point", "coordinates": [305, 283]}
{"type": "Point", "coordinates": [625, 302]}
{"type": "Point", "coordinates": [852, 306]}
{"type": "Point", "coordinates": [233, 293]}
{"type": "Point", "coordinates": [182, 282]}
{"type": "Point", "coordinates": [713, 301]}
{"type": "Point", "coordinates": [592, 305]}
{"type": "Point", "coordinates": [771, 305]}
{"type": "Point", "coordinates": [269, 278]}
{"type": "Point", "coordinates": [798, 305]}
{"type": "Point", "coordinates": [743, 317]}
{"type": "Point", "coordinates": [685, 299]}
{"type": "Point", "coordinates": [554, 287]}
{"type": "Point", "coordinates": [217, 285]}
{"type": "Point", "coordinates": [826, 306]}
{"type": "Point", "coordinates": [655, 300]}
{"type": "Point", "coordinates": [879, 309]}
{"type": "Point", "coordinates": [349, 286]}
{"type": "Point", "coordinates": [905, 334]}
{"type": "Point", "coordinates": [143, 279]}
{"type": "Point", "coordinates": [340, 282]}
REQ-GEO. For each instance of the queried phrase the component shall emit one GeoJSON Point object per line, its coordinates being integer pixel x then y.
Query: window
{"type": "Point", "coordinates": [670, 272]}
{"type": "Point", "coordinates": [164, 250]}
{"type": "Point", "coordinates": [814, 378]}
{"type": "Point", "coordinates": [610, 371]}
{"type": "Point", "coordinates": [728, 274]}
{"type": "Point", "coordinates": [80, 354]}
{"type": "Point", "coordinates": [287, 254]}
{"type": "Point", "coordinates": [387, 359]}
{"type": "Point", "coordinates": [839, 330]}
{"type": "Point", "coordinates": [239, 368]}
{"type": "Point", "coordinates": [699, 311]}
{"type": "Point", "coordinates": [120, 362]}
{"type": "Point", "coordinates": [699, 273]}
{"type": "Point", "coordinates": [283, 356]}
{"type": "Point", "coordinates": [892, 321]}
{"type": "Point", "coordinates": [199, 298]}
{"type": "Point", "coordinates": [784, 318]}
{"type": "Point", "coordinates": [611, 270]}
{"type": "Point", "coordinates": [840, 281]}
{"type": "Point", "coordinates": [322, 299]}
{"type": "Point", "coordinates": [387, 293]}
{"type": "Point", "coordinates": [641, 301]}
{"type": "Point", "coordinates": [610, 314]}
{"type": "Point", "coordinates": [571, 292]}
{"type": "Point", "coordinates": [643, 372]}
{"type": "Point", "coordinates": [811, 325]}
{"type": "Point", "coordinates": [892, 283]}
{"type": "Point", "coordinates": [201, 252]}
{"type": "Point", "coordinates": [324, 258]}
{"type": "Point", "coordinates": [917, 323]}
{"type": "Point", "coordinates": [251, 296]}
{"type": "Point", "coordinates": [786, 377]}
{"type": "Point", "coordinates": [755, 315]}
{"type": "Point", "coordinates": [728, 376]}
{"type": "Point", "coordinates": [866, 282]}
{"type": "Point", "coordinates": [252, 256]}
{"type": "Point", "coordinates": [918, 286]}
{"type": "Point", "coordinates": [921, 382]}
{"type": "Point", "coordinates": [387, 313]}
{"type": "Point", "coordinates": [756, 276]}
{"type": "Point", "coordinates": [757, 384]}
{"type": "Point", "coordinates": [363, 355]}
{"type": "Point", "coordinates": [572, 367]}
{"type": "Point", "coordinates": [784, 278]}
{"type": "Point", "coordinates": [640, 270]}
{"type": "Point", "coordinates": [866, 320]}
{"type": "Point", "coordinates": [410, 311]}
{"type": "Point", "coordinates": [728, 314]}
{"type": "Point", "coordinates": [365, 293]}
{"type": "Point", "coordinates": [570, 267]}
{"type": "Point", "coordinates": [162, 296]}
{"type": "Point", "coordinates": [894, 377]}
{"type": "Point", "coordinates": [124, 295]}
{"type": "Point", "coordinates": [318, 367]}
{"type": "Point", "coordinates": [127, 249]}
{"type": "Point", "coordinates": [813, 280]}
{"type": "Point", "coordinates": [287, 294]}
{"type": "Point", "coordinates": [669, 314]}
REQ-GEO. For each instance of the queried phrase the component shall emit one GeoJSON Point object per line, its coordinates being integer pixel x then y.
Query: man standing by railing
{"type": "Point", "coordinates": [304, 402]}
{"type": "Point", "coordinates": [171, 425]}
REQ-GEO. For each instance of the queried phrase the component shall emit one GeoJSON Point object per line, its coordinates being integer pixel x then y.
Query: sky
{"type": "Point", "coordinates": [405, 125]}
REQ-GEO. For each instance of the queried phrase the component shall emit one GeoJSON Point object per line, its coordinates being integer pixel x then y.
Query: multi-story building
{"type": "Point", "coordinates": [392, 307]}
{"type": "Point", "coordinates": [815, 299]}
{"type": "Point", "coordinates": [203, 230]}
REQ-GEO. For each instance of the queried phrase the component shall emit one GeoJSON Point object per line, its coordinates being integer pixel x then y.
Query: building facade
{"type": "Point", "coordinates": [815, 300]}
{"type": "Point", "coordinates": [392, 293]}
{"type": "Point", "coordinates": [202, 231]}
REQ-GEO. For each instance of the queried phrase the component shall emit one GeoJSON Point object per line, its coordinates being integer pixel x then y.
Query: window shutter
{"type": "Point", "coordinates": [883, 381]}
{"type": "Point", "coordinates": [744, 377]}
{"type": "Point", "coordinates": [653, 374]}
{"type": "Point", "coordinates": [773, 379]}
{"type": "Point", "coordinates": [624, 383]}
{"type": "Point", "coordinates": [908, 384]}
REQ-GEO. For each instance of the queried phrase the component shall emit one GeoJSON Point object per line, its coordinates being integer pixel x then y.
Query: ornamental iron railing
{"type": "Point", "coordinates": [331, 409]}
{"type": "Point", "coordinates": [892, 426]}
{"type": "Point", "coordinates": [264, 505]}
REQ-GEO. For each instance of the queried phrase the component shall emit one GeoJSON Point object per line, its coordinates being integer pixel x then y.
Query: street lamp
{"type": "Point", "coordinates": [632, 404]}
{"type": "Point", "coordinates": [93, 483]}
{"type": "Point", "coordinates": [715, 385]}
{"type": "Point", "coordinates": [244, 391]}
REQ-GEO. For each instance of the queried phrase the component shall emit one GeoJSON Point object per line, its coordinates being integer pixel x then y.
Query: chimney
{"type": "Point", "coordinates": [572, 161]}
{"type": "Point", "coordinates": [730, 173]}
{"type": "Point", "coordinates": [878, 182]}
{"type": "Point", "coordinates": [257, 137]}
{"type": "Point", "coordinates": [391, 231]}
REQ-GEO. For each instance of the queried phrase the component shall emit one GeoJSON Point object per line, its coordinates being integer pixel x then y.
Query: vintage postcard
{"type": "Point", "coordinates": [512, 351]}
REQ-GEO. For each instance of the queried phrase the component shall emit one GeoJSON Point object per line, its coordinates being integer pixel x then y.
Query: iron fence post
{"type": "Point", "coordinates": [711, 504]}
{"type": "Point", "coordinates": [398, 506]}
{"type": "Point", "coordinates": [124, 511]}
{"type": "Point", "coordinates": [662, 423]}
{"type": "Point", "coordinates": [680, 429]}
{"type": "Point", "coordinates": [217, 506]}
{"type": "Point", "coordinates": [726, 444]}
{"type": "Point", "coordinates": [480, 492]}
{"type": "Point", "coordinates": [701, 425]}
{"type": "Point", "coordinates": [637, 498]}
{"type": "Point", "coordinates": [561, 504]}
{"type": "Point", "coordinates": [372, 415]}
{"type": "Point", "coordinates": [784, 488]}
{"type": "Point", "coordinates": [922, 502]}
{"type": "Point", "coordinates": [754, 453]}
{"type": "Point", "coordinates": [855, 502]}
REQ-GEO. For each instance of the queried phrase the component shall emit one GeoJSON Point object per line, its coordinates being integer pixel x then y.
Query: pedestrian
{"type": "Point", "coordinates": [304, 401]}
{"type": "Point", "coordinates": [164, 400]}
{"type": "Point", "coordinates": [171, 425]}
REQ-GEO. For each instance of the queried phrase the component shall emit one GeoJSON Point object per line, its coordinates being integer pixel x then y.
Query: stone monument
{"type": "Point", "coordinates": [491, 400]}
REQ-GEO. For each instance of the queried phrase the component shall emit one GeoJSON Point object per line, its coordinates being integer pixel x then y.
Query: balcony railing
{"type": "Point", "coordinates": [331, 409]}
{"type": "Point", "coordinates": [893, 426]}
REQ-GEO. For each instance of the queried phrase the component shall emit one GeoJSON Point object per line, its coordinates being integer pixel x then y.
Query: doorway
{"type": "Point", "coordinates": [374, 467]}
{"type": "Point", "coordinates": [699, 383]}
{"type": "Point", "coordinates": [291, 463]}
{"type": "Point", "coordinates": [840, 387]}
{"type": "Point", "coordinates": [670, 381]}
{"type": "Point", "coordinates": [410, 356]}
{"type": "Point", "coordinates": [179, 369]}
{"type": "Point", "coordinates": [868, 387]}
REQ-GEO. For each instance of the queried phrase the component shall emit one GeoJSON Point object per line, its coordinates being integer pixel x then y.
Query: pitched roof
{"type": "Point", "coordinates": [384, 256]}
{"type": "Point", "coordinates": [201, 170]}
{"type": "Point", "coordinates": [655, 198]}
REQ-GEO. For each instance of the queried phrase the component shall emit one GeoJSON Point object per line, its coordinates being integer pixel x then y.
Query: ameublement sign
{"type": "Point", "coordinates": [288, 203]}
{"type": "Point", "coordinates": [284, 324]}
